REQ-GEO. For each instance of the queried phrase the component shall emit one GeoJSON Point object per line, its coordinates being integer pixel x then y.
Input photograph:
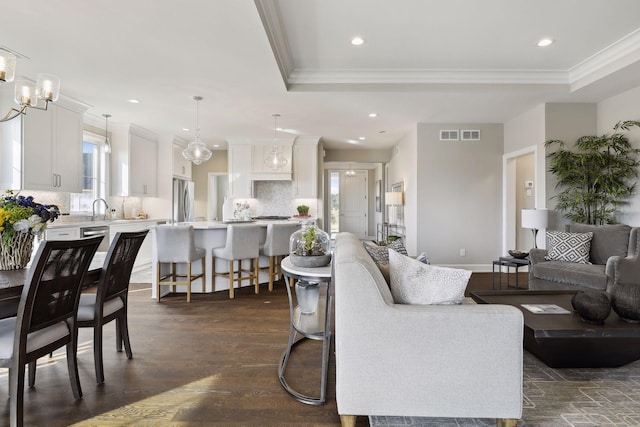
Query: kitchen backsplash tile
{"type": "Point", "coordinates": [274, 198]}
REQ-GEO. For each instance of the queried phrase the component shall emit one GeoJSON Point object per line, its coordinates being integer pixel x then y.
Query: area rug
{"type": "Point", "coordinates": [559, 397]}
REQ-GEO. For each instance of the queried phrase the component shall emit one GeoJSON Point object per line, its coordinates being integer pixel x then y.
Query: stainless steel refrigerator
{"type": "Point", "coordinates": [182, 200]}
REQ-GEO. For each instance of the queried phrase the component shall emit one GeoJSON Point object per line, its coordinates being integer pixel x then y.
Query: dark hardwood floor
{"type": "Point", "coordinates": [212, 362]}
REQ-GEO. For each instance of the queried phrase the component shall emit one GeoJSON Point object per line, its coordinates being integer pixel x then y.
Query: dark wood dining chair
{"type": "Point", "coordinates": [110, 300]}
{"type": "Point", "coordinates": [46, 317]}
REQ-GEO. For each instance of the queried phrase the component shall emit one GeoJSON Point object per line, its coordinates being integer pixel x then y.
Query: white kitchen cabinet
{"type": "Point", "coordinates": [181, 166]}
{"type": "Point", "coordinates": [305, 168]}
{"type": "Point", "coordinates": [145, 252]}
{"type": "Point", "coordinates": [239, 162]}
{"type": "Point", "coordinates": [62, 233]}
{"type": "Point", "coordinates": [134, 162]}
{"type": "Point", "coordinates": [52, 148]}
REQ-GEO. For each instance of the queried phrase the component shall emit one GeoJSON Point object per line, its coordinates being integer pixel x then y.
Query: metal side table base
{"type": "Point", "coordinates": [304, 326]}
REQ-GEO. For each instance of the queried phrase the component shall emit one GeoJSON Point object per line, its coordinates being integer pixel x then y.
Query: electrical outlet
{"type": "Point", "coordinates": [463, 252]}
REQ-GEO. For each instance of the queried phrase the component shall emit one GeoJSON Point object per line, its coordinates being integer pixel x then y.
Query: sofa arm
{"type": "Point", "coordinates": [537, 255]}
{"type": "Point", "coordinates": [623, 270]}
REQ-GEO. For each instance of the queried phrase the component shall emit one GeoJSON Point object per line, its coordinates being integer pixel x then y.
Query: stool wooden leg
{"type": "Point", "coordinates": [173, 275]}
{"type": "Point", "coordinates": [231, 280]}
{"type": "Point", "coordinates": [272, 271]}
{"type": "Point", "coordinates": [253, 265]}
{"type": "Point", "coordinates": [189, 282]}
{"type": "Point", "coordinates": [158, 281]}
{"type": "Point", "coordinates": [204, 284]}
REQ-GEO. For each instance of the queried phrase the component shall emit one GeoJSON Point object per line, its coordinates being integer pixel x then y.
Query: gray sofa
{"type": "Point", "coordinates": [420, 360]}
{"type": "Point", "coordinates": [613, 256]}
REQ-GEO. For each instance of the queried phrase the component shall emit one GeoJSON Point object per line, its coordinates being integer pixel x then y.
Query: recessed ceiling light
{"type": "Point", "coordinates": [216, 145]}
{"type": "Point", "coordinates": [362, 138]}
{"type": "Point", "coordinates": [134, 101]}
{"type": "Point", "coordinates": [373, 115]}
{"type": "Point", "coordinates": [545, 42]}
{"type": "Point", "coordinates": [357, 41]}
{"type": "Point", "coordinates": [185, 129]}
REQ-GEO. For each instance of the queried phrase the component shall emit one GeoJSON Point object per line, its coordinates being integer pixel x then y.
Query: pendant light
{"type": "Point", "coordinates": [197, 151]}
{"type": "Point", "coordinates": [350, 173]}
{"type": "Point", "coordinates": [275, 160]}
{"type": "Point", "coordinates": [107, 144]}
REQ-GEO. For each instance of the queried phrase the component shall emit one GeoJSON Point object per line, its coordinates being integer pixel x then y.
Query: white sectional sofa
{"type": "Point", "coordinates": [460, 361]}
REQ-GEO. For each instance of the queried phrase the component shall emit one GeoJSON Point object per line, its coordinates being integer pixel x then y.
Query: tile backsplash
{"type": "Point", "coordinates": [274, 198]}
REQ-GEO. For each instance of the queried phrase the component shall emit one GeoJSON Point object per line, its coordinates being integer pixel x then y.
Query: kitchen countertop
{"type": "Point", "coordinates": [207, 225]}
{"type": "Point", "coordinates": [65, 222]}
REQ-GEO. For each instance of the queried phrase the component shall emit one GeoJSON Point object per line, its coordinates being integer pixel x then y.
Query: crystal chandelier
{"type": "Point", "coordinates": [197, 151]}
{"type": "Point", "coordinates": [350, 173]}
{"type": "Point", "coordinates": [275, 160]}
{"type": "Point", "coordinates": [27, 93]}
{"type": "Point", "coordinates": [107, 144]}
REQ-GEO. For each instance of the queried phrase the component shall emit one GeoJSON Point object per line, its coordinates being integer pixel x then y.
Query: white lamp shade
{"type": "Point", "coordinates": [535, 218]}
{"type": "Point", "coordinates": [393, 198]}
{"type": "Point", "coordinates": [7, 66]}
{"type": "Point", "coordinates": [48, 87]}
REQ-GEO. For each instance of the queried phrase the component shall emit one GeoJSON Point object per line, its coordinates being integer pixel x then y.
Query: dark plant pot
{"type": "Point", "coordinates": [592, 306]}
{"type": "Point", "coordinates": [625, 300]}
{"type": "Point", "coordinates": [310, 261]}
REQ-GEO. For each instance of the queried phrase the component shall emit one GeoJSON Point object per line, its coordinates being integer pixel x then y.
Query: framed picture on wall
{"type": "Point", "coordinates": [379, 195]}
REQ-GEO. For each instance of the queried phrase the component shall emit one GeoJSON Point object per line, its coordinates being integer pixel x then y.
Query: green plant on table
{"type": "Point", "coordinates": [303, 209]}
{"type": "Point", "coordinates": [309, 244]}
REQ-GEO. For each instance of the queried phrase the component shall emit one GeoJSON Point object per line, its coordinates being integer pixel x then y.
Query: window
{"type": "Point", "coordinates": [93, 174]}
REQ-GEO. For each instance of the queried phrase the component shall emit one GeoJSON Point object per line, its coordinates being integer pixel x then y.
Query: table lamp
{"type": "Point", "coordinates": [393, 199]}
{"type": "Point", "coordinates": [535, 219]}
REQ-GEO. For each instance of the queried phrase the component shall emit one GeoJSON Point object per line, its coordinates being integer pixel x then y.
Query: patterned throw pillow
{"type": "Point", "coordinates": [380, 254]}
{"type": "Point", "coordinates": [569, 247]}
{"type": "Point", "coordinates": [413, 282]}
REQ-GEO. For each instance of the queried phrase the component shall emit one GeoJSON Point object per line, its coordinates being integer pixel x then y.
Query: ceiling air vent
{"type": "Point", "coordinates": [470, 135]}
{"type": "Point", "coordinates": [449, 135]}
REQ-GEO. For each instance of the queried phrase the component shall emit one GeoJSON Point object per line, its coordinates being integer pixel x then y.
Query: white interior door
{"type": "Point", "coordinates": [353, 204]}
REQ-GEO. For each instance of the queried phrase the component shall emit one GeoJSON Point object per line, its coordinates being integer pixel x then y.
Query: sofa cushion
{"type": "Point", "coordinates": [414, 282]}
{"type": "Point", "coordinates": [608, 240]}
{"type": "Point", "coordinates": [586, 275]}
{"type": "Point", "coordinates": [380, 254]}
{"type": "Point", "coordinates": [569, 247]}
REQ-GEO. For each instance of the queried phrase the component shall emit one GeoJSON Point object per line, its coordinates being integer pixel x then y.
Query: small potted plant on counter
{"type": "Point", "coordinates": [303, 210]}
{"type": "Point", "coordinates": [309, 247]}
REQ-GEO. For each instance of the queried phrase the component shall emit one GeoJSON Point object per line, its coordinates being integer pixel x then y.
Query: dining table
{"type": "Point", "coordinates": [12, 284]}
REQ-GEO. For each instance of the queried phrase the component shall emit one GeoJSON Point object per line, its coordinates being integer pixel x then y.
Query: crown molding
{"type": "Point", "coordinates": [614, 57]}
{"type": "Point", "coordinates": [425, 76]}
{"type": "Point", "coordinates": [270, 16]}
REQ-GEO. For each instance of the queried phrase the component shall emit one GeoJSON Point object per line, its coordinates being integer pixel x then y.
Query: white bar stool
{"type": "Point", "coordinates": [275, 247]}
{"type": "Point", "coordinates": [175, 244]}
{"type": "Point", "coordinates": [242, 243]}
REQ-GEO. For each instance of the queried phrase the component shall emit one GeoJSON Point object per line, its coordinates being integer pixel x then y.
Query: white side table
{"type": "Point", "coordinates": [315, 326]}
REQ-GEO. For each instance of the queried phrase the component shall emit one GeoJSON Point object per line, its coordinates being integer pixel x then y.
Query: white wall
{"type": "Point", "coordinates": [566, 122]}
{"type": "Point", "coordinates": [625, 106]}
{"type": "Point", "coordinates": [403, 168]}
{"type": "Point", "coordinates": [460, 195]}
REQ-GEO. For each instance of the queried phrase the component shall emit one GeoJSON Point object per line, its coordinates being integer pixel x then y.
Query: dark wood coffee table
{"type": "Point", "coordinates": [564, 340]}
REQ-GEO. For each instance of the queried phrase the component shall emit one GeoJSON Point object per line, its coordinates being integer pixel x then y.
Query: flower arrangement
{"type": "Point", "coordinates": [20, 214]}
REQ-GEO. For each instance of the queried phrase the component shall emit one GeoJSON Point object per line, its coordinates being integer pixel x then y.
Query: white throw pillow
{"type": "Point", "coordinates": [569, 247]}
{"type": "Point", "coordinates": [413, 282]}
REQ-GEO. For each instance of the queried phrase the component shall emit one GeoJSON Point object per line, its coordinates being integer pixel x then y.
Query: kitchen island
{"type": "Point", "coordinates": [208, 235]}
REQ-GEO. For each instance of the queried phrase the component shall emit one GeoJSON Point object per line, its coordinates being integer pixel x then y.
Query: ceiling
{"type": "Point", "coordinates": [432, 61]}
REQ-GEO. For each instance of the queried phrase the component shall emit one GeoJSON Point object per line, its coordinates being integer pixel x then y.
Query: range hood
{"type": "Point", "coordinates": [272, 176]}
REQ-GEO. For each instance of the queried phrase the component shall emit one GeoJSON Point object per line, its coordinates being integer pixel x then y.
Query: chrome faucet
{"type": "Point", "coordinates": [93, 208]}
